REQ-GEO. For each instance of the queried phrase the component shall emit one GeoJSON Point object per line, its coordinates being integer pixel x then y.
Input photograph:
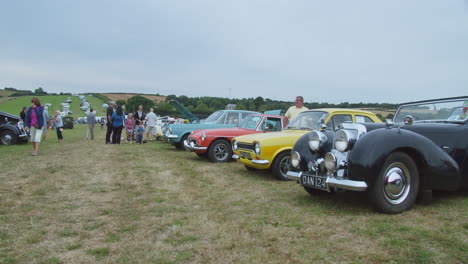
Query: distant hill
{"type": "Point", "coordinates": [126, 96]}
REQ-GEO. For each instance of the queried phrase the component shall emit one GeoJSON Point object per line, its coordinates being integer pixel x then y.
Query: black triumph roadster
{"type": "Point", "coordinates": [423, 149]}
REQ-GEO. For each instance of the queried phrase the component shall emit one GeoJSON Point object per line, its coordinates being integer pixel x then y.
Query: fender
{"type": "Point", "coordinates": [10, 127]}
{"type": "Point", "coordinates": [436, 168]}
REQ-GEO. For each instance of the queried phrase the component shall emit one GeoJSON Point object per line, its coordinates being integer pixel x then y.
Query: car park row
{"type": "Point", "coordinates": [397, 163]}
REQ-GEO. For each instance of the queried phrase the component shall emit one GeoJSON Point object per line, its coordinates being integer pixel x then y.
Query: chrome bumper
{"type": "Point", "coordinates": [259, 162]}
{"type": "Point", "coordinates": [171, 136]}
{"type": "Point", "coordinates": [189, 147]}
{"type": "Point", "coordinates": [344, 184]}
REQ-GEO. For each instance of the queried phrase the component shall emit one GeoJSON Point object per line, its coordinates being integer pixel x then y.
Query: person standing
{"type": "Point", "coordinates": [150, 123]}
{"type": "Point", "coordinates": [118, 120]}
{"type": "Point", "coordinates": [102, 123]}
{"type": "Point", "coordinates": [295, 110]}
{"type": "Point", "coordinates": [130, 126]}
{"type": "Point", "coordinates": [140, 131]}
{"type": "Point", "coordinates": [58, 125]}
{"type": "Point", "coordinates": [110, 111]}
{"type": "Point", "coordinates": [34, 121]}
{"type": "Point", "coordinates": [23, 113]}
{"type": "Point", "coordinates": [91, 122]}
{"type": "Point", "coordinates": [139, 116]}
{"type": "Point", "coordinates": [46, 126]}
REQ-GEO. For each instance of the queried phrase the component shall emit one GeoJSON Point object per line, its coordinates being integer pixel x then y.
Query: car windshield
{"type": "Point", "coordinates": [250, 122]}
{"type": "Point", "coordinates": [213, 117]}
{"type": "Point", "coordinates": [307, 120]}
{"type": "Point", "coordinates": [442, 111]}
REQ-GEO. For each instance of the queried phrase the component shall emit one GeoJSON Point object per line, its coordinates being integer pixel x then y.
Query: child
{"type": "Point", "coordinates": [140, 132]}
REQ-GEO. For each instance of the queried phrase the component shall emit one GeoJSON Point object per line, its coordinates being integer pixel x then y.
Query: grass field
{"type": "Point", "coordinates": [15, 105]}
{"type": "Point", "coordinates": [87, 202]}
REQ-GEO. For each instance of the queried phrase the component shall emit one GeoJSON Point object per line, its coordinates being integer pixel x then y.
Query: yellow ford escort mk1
{"type": "Point", "coordinates": [272, 150]}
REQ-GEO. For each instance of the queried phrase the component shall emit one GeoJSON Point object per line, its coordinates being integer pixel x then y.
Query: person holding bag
{"type": "Point", "coordinates": [34, 122]}
{"type": "Point", "coordinates": [58, 125]}
{"type": "Point", "coordinates": [118, 120]}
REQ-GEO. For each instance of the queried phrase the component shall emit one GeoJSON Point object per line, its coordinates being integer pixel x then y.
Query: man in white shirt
{"type": "Point", "coordinates": [150, 123]}
{"type": "Point", "coordinates": [295, 110]}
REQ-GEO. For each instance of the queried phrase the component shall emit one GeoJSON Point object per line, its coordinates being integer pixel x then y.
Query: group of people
{"type": "Point", "coordinates": [133, 124]}
{"type": "Point", "coordinates": [37, 122]}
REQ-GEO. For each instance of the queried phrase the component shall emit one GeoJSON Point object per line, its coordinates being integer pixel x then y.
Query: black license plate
{"type": "Point", "coordinates": [245, 154]}
{"type": "Point", "coordinates": [314, 181]}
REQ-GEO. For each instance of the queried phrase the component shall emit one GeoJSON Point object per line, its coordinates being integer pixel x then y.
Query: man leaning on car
{"type": "Point", "coordinates": [295, 110]}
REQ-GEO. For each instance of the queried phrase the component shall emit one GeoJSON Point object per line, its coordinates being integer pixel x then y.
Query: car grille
{"type": "Point", "coordinates": [246, 146]}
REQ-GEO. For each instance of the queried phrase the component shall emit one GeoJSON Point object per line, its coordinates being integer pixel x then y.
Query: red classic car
{"type": "Point", "coordinates": [216, 143]}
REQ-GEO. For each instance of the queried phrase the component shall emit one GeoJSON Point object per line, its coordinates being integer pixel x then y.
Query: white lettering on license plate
{"type": "Point", "coordinates": [313, 181]}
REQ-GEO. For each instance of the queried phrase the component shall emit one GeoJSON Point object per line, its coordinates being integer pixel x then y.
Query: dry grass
{"type": "Point", "coordinates": [116, 97]}
{"type": "Point", "coordinates": [88, 202]}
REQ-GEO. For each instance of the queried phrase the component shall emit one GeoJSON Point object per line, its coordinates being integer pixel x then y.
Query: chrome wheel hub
{"type": "Point", "coordinates": [6, 139]}
{"type": "Point", "coordinates": [220, 152]}
{"type": "Point", "coordinates": [396, 184]}
{"type": "Point", "coordinates": [284, 165]}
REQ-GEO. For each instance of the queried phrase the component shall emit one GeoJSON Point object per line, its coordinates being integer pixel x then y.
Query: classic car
{"type": "Point", "coordinates": [12, 130]}
{"type": "Point", "coordinates": [424, 148]}
{"type": "Point", "coordinates": [176, 134]}
{"type": "Point", "coordinates": [216, 143]}
{"type": "Point", "coordinates": [272, 150]}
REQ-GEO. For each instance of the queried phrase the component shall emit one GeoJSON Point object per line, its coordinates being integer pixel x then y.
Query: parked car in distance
{"type": "Point", "coordinates": [68, 122]}
{"type": "Point", "coordinates": [424, 149]}
{"type": "Point", "coordinates": [12, 130]}
{"type": "Point", "coordinates": [216, 143]}
{"type": "Point", "coordinates": [272, 150]}
{"type": "Point", "coordinates": [176, 134]}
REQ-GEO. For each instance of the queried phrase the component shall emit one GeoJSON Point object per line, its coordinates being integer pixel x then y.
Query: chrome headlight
{"type": "Point", "coordinates": [295, 159]}
{"type": "Point", "coordinates": [317, 139]}
{"type": "Point", "coordinates": [203, 137]}
{"type": "Point", "coordinates": [257, 148]}
{"type": "Point", "coordinates": [330, 161]}
{"type": "Point", "coordinates": [234, 144]}
{"type": "Point", "coordinates": [344, 140]}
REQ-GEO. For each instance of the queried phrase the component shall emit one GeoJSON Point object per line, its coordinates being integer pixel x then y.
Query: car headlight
{"type": "Point", "coordinates": [317, 139]}
{"type": "Point", "coordinates": [295, 159]}
{"type": "Point", "coordinates": [203, 137]}
{"type": "Point", "coordinates": [234, 144]}
{"type": "Point", "coordinates": [344, 140]}
{"type": "Point", "coordinates": [257, 148]}
{"type": "Point", "coordinates": [330, 161]}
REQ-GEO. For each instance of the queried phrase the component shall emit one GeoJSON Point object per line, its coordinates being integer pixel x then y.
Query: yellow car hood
{"type": "Point", "coordinates": [272, 136]}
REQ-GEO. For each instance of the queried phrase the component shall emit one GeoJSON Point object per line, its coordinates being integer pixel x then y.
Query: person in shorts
{"type": "Point", "coordinates": [150, 123]}
{"type": "Point", "coordinates": [46, 126]}
{"type": "Point", "coordinates": [34, 122]}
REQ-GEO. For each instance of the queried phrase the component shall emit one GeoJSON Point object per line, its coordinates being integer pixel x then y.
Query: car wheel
{"type": "Point", "coordinates": [396, 188]}
{"type": "Point", "coordinates": [180, 144]}
{"type": "Point", "coordinates": [281, 165]}
{"type": "Point", "coordinates": [250, 168]}
{"type": "Point", "coordinates": [220, 151]}
{"type": "Point", "coordinates": [8, 137]}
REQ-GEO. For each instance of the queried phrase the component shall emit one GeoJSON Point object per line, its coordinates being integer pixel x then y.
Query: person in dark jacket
{"type": "Point", "coordinates": [118, 121]}
{"type": "Point", "coordinates": [139, 116]}
{"type": "Point", "coordinates": [34, 121]}
{"type": "Point", "coordinates": [23, 113]}
{"type": "Point", "coordinates": [110, 111]}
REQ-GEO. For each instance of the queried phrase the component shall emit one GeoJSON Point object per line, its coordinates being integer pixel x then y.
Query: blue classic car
{"type": "Point", "coordinates": [425, 148]}
{"type": "Point", "coordinates": [176, 134]}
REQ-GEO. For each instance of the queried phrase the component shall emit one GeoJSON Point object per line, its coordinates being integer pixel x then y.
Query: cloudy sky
{"type": "Point", "coordinates": [328, 51]}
